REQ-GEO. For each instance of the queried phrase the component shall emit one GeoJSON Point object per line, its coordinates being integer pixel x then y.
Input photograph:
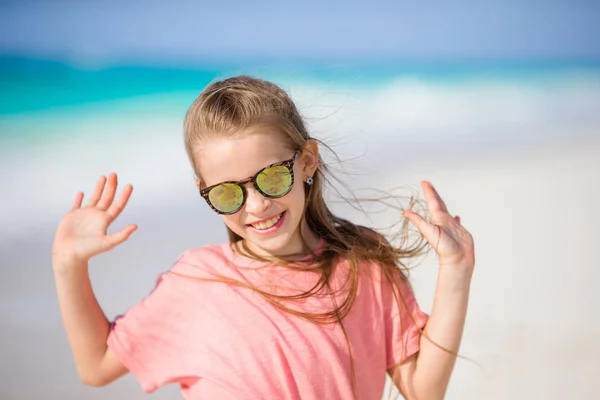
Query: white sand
{"type": "Point", "coordinates": [533, 321]}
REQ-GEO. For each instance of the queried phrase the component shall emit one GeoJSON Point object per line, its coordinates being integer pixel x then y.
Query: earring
{"type": "Point", "coordinates": [309, 180]}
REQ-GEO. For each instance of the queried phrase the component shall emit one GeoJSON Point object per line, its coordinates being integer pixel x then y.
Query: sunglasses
{"type": "Point", "coordinates": [272, 182]}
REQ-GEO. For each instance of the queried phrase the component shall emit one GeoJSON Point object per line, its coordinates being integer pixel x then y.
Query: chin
{"type": "Point", "coordinates": [275, 245]}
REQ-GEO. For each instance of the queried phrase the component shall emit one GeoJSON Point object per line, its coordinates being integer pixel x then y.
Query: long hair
{"type": "Point", "coordinates": [234, 105]}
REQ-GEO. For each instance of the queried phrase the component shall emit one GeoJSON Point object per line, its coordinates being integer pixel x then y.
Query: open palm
{"type": "Point", "coordinates": [453, 244]}
{"type": "Point", "coordinates": [82, 233]}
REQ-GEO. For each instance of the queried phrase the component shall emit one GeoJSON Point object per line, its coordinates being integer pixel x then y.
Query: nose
{"type": "Point", "coordinates": [256, 203]}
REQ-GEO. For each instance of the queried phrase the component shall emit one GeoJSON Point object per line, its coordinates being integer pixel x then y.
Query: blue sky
{"type": "Point", "coordinates": [105, 31]}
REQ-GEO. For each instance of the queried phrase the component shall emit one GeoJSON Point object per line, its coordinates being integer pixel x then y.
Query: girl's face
{"type": "Point", "coordinates": [270, 226]}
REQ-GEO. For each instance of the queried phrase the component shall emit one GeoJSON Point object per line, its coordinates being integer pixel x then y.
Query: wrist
{"type": "Point", "coordinates": [455, 276]}
{"type": "Point", "coordinates": [63, 264]}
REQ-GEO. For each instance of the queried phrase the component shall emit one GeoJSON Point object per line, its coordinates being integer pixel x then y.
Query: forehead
{"type": "Point", "coordinates": [240, 157]}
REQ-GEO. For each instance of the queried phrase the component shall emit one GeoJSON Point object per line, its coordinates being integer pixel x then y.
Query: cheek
{"type": "Point", "coordinates": [233, 221]}
{"type": "Point", "coordinates": [296, 198]}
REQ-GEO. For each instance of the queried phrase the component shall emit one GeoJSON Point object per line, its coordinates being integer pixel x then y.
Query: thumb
{"type": "Point", "coordinates": [114, 239]}
{"type": "Point", "coordinates": [430, 231]}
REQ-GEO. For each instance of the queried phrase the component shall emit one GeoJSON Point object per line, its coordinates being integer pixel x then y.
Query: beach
{"type": "Point", "coordinates": [529, 196]}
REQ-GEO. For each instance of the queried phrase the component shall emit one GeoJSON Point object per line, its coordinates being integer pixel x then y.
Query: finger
{"type": "Point", "coordinates": [109, 194]}
{"type": "Point", "coordinates": [435, 204]}
{"type": "Point", "coordinates": [430, 231]}
{"type": "Point", "coordinates": [115, 239]}
{"type": "Point", "coordinates": [457, 219]}
{"type": "Point", "coordinates": [117, 207]}
{"type": "Point", "coordinates": [77, 201]}
{"type": "Point", "coordinates": [97, 192]}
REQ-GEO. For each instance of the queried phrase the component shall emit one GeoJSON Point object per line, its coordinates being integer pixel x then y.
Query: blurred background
{"type": "Point", "coordinates": [496, 103]}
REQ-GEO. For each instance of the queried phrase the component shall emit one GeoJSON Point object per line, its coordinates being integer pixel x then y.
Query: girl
{"type": "Point", "coordinates": [300, 304]}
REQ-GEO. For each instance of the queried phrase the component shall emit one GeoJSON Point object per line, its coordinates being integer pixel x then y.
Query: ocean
{"type": "Point", "coordinates": [63, 125]}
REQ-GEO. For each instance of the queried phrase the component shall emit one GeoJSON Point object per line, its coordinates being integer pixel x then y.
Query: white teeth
{"type": "Point", "coordinates": [267, 224]}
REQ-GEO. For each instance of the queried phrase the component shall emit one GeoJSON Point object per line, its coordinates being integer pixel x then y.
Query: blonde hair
{"type": "Point", "coordinates": [240, 103]}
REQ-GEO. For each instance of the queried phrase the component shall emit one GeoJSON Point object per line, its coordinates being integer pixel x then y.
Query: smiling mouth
{"type": "Point", "coordinates": [266, 224]}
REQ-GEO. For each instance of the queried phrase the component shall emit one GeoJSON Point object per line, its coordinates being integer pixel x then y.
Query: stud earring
{"type": "Point", "coordinates": [309, 180]}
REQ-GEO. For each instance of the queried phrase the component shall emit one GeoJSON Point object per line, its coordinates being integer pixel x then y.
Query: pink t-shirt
{"type": "Point", "coordinates": [221, 341]}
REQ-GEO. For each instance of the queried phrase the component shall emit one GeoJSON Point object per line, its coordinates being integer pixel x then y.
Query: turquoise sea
{"type": "Point", "coordinates": [34, 84]}
{"type": "Point", "coordinates": [55, 115]}
{"type": "Point", "coordinates": [36, 92]}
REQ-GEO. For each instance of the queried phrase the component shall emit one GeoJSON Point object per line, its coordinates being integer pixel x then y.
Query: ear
{"type": "Point", "coordinates": [198, 183]}
{"type": "Point", "coordinates": [310, 158]}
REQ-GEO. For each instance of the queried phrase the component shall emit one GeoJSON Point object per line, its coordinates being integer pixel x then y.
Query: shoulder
{"type": "Point", "coordinates": [376, 274]}
{"type": "Point", "coordinates": [178, 283]}
{"type": "Point", "coordinates": [210, 252]}
{"type": "Point", "coordinates": [202, 261]}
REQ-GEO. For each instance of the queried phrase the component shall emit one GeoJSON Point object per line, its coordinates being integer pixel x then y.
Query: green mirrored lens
{"type": "Point", "coordinates": [227, 197]}
{"type": "Point", "coordinates": [275, 181]}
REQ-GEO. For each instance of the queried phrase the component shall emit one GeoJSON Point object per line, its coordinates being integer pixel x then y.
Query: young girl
{"type": "Point", "coordinates": [300, 304]}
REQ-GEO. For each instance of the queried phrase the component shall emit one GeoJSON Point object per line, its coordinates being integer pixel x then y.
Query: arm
{"type": "Point", "coordinates": [426, 375]}
{"type": "Point", "coordinates": [86, 326]}
{"type": "Point", "coordinates": [82, 234]}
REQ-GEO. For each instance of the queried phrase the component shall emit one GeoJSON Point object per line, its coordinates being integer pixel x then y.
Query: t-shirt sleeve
{"type": "Point", "coordinates": [403, 323]}
{"type": "Point", "coordinates": [146, 338]}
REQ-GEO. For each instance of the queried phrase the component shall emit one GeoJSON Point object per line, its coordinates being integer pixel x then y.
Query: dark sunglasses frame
{"type": "Point", "coordinates": [289, 164]}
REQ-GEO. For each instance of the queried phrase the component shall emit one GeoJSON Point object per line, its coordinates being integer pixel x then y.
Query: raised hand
{"type": "Point", "coordinates": [453, 244]}
{"type": "Point", "coordinates": [82, 232]}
